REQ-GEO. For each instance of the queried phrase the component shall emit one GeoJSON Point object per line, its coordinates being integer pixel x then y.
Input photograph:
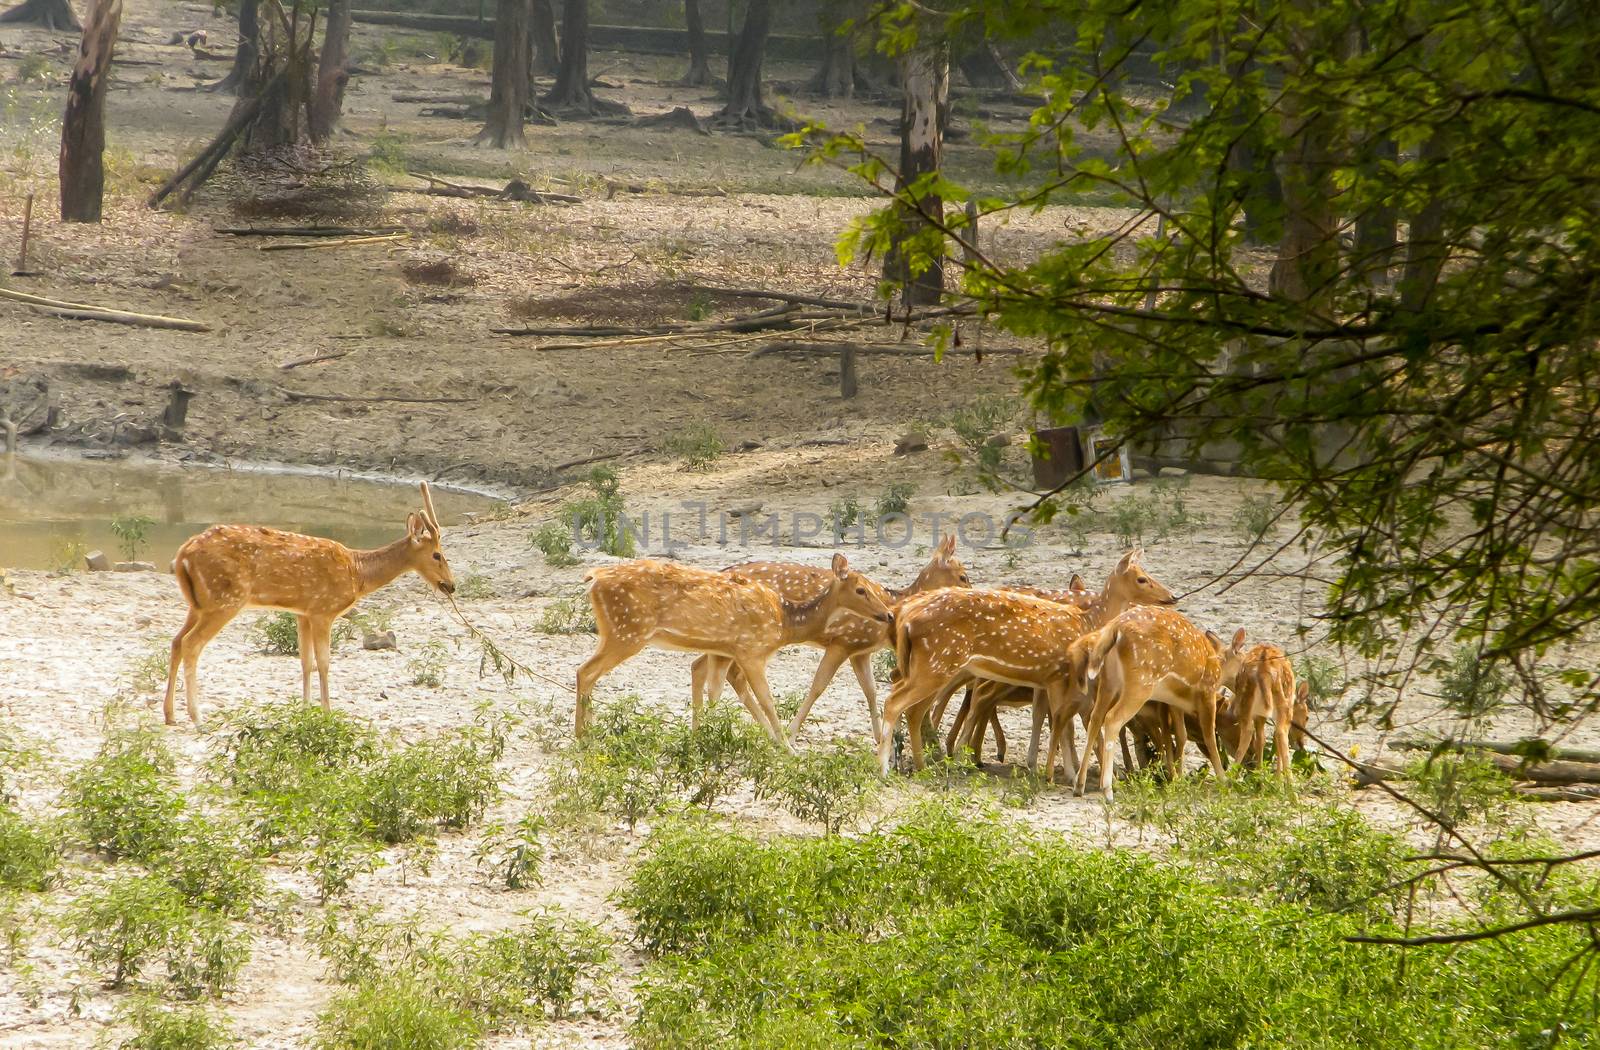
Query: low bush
{"type": "Point", "coordinates": [158, 1026]}
{"type": "Point", "coordinates": [956, 930]}
{"type": "Point", "coordinates": [830, 787]}
{"type": "Point", "coordinates": [387, 1014]}
{"type": "Point", "coordinates": [554, 541]}
{"type": "Point", "coordinates": [1255, 517]}
{"type": "Point", "coordinates": [428, 666]}
{"type": "Point", "coordinates": [30, 851]}
{"type": "Point", "coordinates": [513, 855]}
{"type": "Point", "coordinates": [126, 800]}
{"type": "Point", "coordinates": [508, 980]}
{"type": "Point", "coordinates": [138, 918]}
{"type": "Point", "coordinates": [597, 520]}
{"type": "Point", "coordinates": [211, 863]}
{"type": "Point", "coordinates": [698, 446]}
{"type": "Point", "coordinates": [573, 614]}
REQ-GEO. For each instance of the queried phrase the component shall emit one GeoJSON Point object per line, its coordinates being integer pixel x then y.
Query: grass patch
{"type": "Point", "coordinates": [955, 929]}
{"type": "Point", "coordinates": [158, 1026]}
{"type": "Point", "coordinates": [698, 446]}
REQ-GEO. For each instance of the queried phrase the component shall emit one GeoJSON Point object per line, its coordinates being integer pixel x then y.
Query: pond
{"type": "Point", "coordinates": [52, 510]}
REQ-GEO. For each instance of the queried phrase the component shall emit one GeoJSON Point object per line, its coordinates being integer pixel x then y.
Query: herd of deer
{"type": "Point", "coordinates": [1119, 658]}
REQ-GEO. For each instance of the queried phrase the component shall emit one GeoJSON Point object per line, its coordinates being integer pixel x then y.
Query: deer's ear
{"type": "Point", "coordinates": [841, 567]}
{"type": "Point", "coordinates": [1238, 638]}
{"type": "Point", "coordinates": [413, 524]}
{"type": "Point", "coordinates": [947, 546]}
{"type": "Point", "coordinates": [1216, 643]}
{"type": "Point", "coordinates": [1127, 560]}
{"type": "Point", "coordinates": [1303, 693]}
{"type": "Point", "coordinates": [1076, 583]}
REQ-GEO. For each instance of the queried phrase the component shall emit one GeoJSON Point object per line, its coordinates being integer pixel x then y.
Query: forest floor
{"type": "Point", "coordinates": [72, 644]}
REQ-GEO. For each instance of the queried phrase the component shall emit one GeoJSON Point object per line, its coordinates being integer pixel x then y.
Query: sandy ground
{"type": "Point", "coordinates": [69, 645]}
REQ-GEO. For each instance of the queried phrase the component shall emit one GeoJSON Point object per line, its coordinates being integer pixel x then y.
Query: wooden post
{"type": "Point", "coordinates": [847, 371]}
{"type": "Point", "coordinates": [27, 227]}
{"type": "Point", "coordinates": [177, 410]}
{"type": "Point", "coordinates": [83, 128]}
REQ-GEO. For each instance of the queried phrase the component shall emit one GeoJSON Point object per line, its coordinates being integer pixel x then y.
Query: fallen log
{"type": "Point", "coordinates": [86, 312]}
{"type": "Point", "coordinates": [1518, 748]}
{"type": "Point", "coordinates": [515, 190]}
{"type": "Point", "coordinates": [288, 246]}
{"type": "Point", "coordinates": [298, 395]}
{"type": "Point", "coordinates": [308, 231]}
{"type": "Point", "coordinates": [1381, 769]}
{"type": "Point", "coordinates": [884, 349]}
{"type": "Point", "coordinates": [316, 359]}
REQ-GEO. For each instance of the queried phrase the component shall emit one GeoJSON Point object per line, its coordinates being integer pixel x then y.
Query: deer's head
{"type": "Point", "coordinates": [1231, 655]}
{"type": "Point", "coordinates": [855, 592]}
{"type": "Point", "coordinates": [944, 569]}
{"type": "Point", "coordinates": [1129, 584]}
{"type": "Point", "coordinates": [422, 535]}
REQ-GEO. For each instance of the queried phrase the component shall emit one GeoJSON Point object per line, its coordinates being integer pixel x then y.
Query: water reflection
{"type": "Point", "coordinates": [50, 509]}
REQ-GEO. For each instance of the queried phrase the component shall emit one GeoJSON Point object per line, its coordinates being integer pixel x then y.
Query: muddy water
{"type": "Point", "coordinates": [54, 509]}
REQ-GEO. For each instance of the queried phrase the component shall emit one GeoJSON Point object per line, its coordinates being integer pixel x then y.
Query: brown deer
{"type": "Point", "coordinates": [1151, 654]}
{"type": "Point", "coordinates": [948, 638]}
{"type": "Point", "coordinates": [843, 636]}
{"type": "Point", "coordinates": [229, 568]}
{"type": "Point", "coordinates": [1128, 585]}
{"type": "Point", "coordinates": [1263, 687]}
{"type": "Point", "coordinates": [669, 606]}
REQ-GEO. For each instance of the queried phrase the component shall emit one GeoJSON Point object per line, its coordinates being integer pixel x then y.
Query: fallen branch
{"type": "Point", "coordinates": [205, 162]}
{"type": "Point", "coordinates": [308, 231]}
{"type": "Point", "coordinates": [515, 190]}
{"type": "Point", "coordinates": [614, 188]}
{"type": "Point", "coordinates": [586, 460]}
{"type": "Point", "coordinates": [296, 395]}
{"type": "Point", "coordinates": [343, 242]}
{"type": "Point", "coordinates": [85, 312]}
{"type": "Point", "coordinates": [1518, 748]}
{"type": "Point", "coordinates": [790, 297]}
{"type": "Point", "coordinates": [317, 359]}
{"type": "Point", "coordinates": [826, 349]}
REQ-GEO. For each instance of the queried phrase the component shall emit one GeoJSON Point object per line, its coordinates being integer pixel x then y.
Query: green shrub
{"type": "Point", "coordinates": [1462, 789]}
{"type": "Point", "coordinates": [135, 919]}
{"type": "Point", "coordinates": [333, 853]}
{"type": "Point", "coordinates": [149, 672]}
{"type": "Point", "coordinates": [131, 530]}
{"type": "Point", "coordinates": [620, 766]}
{"type": "Point", "coordinates": [513, 855]}
{"type": "Point", "coordinates": [955, 930]}
{"type": "Point", "coordinates": [1256, 516]}
{"type": "Point", "coordinates": [598, 519]}
{"type": "Point", "coordinates": [896, 499]}
{"type": "Point", "coordinates": [554, 540]}
{"type": "Point", "coordinates": [126, 800]}
{"type": "Point", "coordinates": [157, 1026]}
{"type": "Point", "coordinates": [711, 759]}
{"type": "Point", "coordinates": [390, 1014]}
{"type": "Point", "coordinates": [474, 587]}
{"type": "Point", "coordinates": [698, 446]}
{"type": "Point", "coordinates": [1324, 682]}
{"type": "Point", "coordinates": [428, 666]}
{"type": "Point", "coordinates": [571, 615]}
{"type": "Point", "coordinates": [262, 747]}
{"type": "Point", "coordinates": [984, 417]}
{"type": "Point", "coordinates": [504, 980]}
{"type": "Point", "coordinates": [211, 864]}
{"type": "Point", "coordinates": [843, 514]}
{"type": "Point", "coordinates": [1471, 687]}
{"type": "Point", "coordinates": [279, 633]}
{"type": "Point", "coordinates": [830, 787]}
{"type": "Point", "coordinates": [30, 852]}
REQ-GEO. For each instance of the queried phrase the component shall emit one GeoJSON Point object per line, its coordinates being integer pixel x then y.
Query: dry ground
{"type": "Point", "coordinates": [68, 645]}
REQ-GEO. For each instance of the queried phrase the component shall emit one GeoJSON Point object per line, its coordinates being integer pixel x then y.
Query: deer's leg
{"type": "Point", "coordinates": [1180, 737]}
{"type": "Point", "coordinates": [175, 661]}
{"type": "Point", "coordinates": [953, 740]}
{"type": "Point", "coordinates": [322, 637]}
{"type": "Point", "coordinates": [831, 660]}
{"type": "Point", "coordinates": [760, 706]}
{"type": "Point", "coordinates": [611, 652]}
{"type": "Point", "coordinates": [211, 622]}
{"type": "Point", "coordinates": [906, 698]}
{"type": "Point", "coordinates": [308, 656]}
{"type": "Point", "coordinates": [1053, 700]}
{"type": "Point", "coordinates": [999, 736]}
{"type": "Point", "coordinates": [861, 664]}
{"type": "Point", "coordinates": [1208, 730]}
{"type": "Point", "coordinates": [697, 687]}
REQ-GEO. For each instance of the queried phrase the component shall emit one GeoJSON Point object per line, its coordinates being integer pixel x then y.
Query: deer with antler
{"type": "Point", "coordinates": [1129, 585]}
{"type": "Point", "coordinates": [1148, 654]}
{"type": "Point", "coordinates": [842, 636]}
{"type": "Point", "coordinates": [229, 568]}
{"type": "Point", "coordinates": [725, 614]}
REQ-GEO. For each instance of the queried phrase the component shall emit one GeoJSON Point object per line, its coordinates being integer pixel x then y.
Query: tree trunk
{"type": "Point", "coordinates": [333, 72]}
{"type": "Point", "coordinates": [699, 74]}
{"type": "Point", "coordinates": [243, 72]}
{"type": "Point", "coordinates": [1377, 233]}
{"type": "Point", "coordinates": [983, 67]}
{"type": "Point", "coordinates": [55, 15]}
{"type": "Point", "coordinates": [745, 107]}
{"type": "Point", "coordinates": [918, 268]}
{"type": "Point", "coordinates": [508, 93]}
{"type": "Point", "coordinates": [572, 81]}
{"type": "Point", "coordinates": [83, 129]}
{"type": "Point", "coordinates": [836, 77]}
{"type": "Point", "coordinates": [1308, 252]}
{"type": "Point", "coordinates": [546, 50]}
{"type": "Point", "coordinates": [1425, 244]}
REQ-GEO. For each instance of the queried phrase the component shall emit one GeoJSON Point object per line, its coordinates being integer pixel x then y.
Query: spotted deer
{"type": "Point", "coordinates": [842, 636]}
{"type": "Point", "coordinates": [1128, 586]}
{"type": "Point", "coordinates": [229, 568]}
{"type": "Point", "coordinates": [725, 614]}
{"type": "Point", "coordinates": [1152, 654]}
